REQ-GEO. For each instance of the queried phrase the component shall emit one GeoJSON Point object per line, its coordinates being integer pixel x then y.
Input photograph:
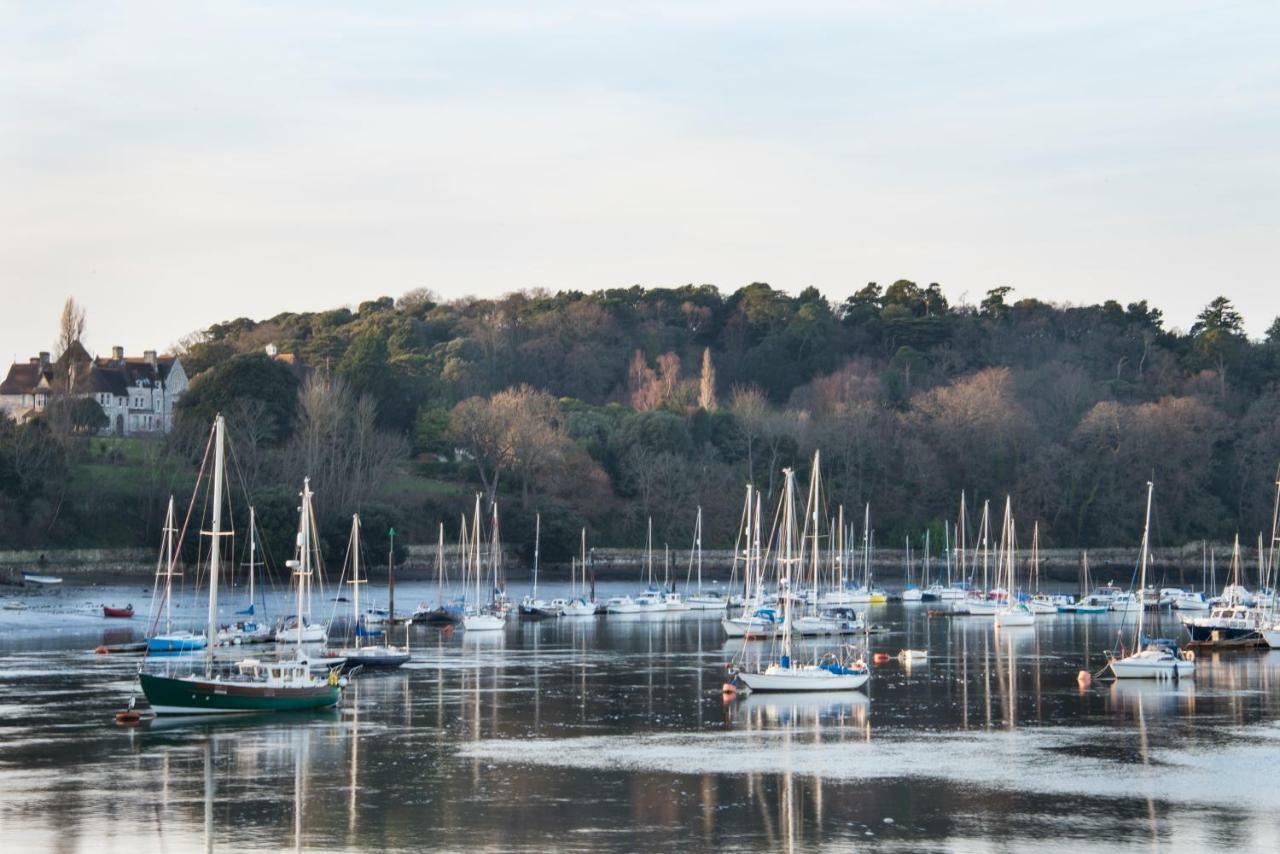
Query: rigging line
{"type": "Point", "coordinates": [177, 547]}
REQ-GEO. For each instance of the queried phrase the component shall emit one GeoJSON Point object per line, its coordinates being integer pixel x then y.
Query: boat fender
{"type": "Point", "coordinates": [1188, 655]}
{"type": "Point", "coordinates": [333, 677]}
{"type": "Point", "coordinates": [342, 682]}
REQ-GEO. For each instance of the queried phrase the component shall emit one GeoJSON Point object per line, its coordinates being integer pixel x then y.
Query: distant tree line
{"type": "Point", "coordinates": [607, 408]}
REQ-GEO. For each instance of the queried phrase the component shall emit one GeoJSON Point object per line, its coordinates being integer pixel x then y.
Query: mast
{"type": "Point", "coordinates": [648, 552]}
{"type": "Point", "coordinates": [582, 558]}
{"type": "Point", "coordinates": [814, 491]}
{"type": "Point", "coordinates": [788, 509]}
{"type": "Point", "coordinates": [440, 568]}
{"type": "Point", "coordinates": [866, 548]}
{"type": "Point", "coordinates": [391, 580]}
{"type": "Point", "coordinates": [304, 565]}
{"type": "Point", "coordinates": [355, 572]}
{"type": "Point", "coordinates": [253, 548]}
{"type": "Point", "coordinates": [697, 542]}
{"type": "Point", "coordinates": [475, 549]}
{"type": "Point", "coordinates": [215, 548]}
{"type": "Point", "coordinates": [840, 550]}
{"type": "Point", "coordinates": [169, 531]}
{"type": "Point", "coordinates": [537, 541]}
{"type": "Point", "coordinates": [1142, 584]}
{"type": "Point", "coordinates": [960, 545]}
{"type": "Point", "coordinates": [986, 545]}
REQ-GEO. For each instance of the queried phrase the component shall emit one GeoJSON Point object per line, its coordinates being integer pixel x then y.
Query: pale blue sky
{"type": "Point", "coordinates": [175, 164]}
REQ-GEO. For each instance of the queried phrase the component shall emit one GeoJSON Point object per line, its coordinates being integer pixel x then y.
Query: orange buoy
{"type": "Point", "coordinates": [448, 630]}
{"type": "Point", "coordinates": [1084, 678]}
{"type": "Point", "coordinates": [128, 717]}
{"type": "Point", "coordinates": [880, 657]}
{"type": "Point", "coordinates": [729, 689]}
{"type": "Point", "coordinates": [102, 650]}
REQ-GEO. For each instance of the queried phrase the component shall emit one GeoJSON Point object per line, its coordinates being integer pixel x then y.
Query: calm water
{"type": "Point", "coordinates": [611, 734]}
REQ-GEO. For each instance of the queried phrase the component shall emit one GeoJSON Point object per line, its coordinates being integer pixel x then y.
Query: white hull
{"type": "Point", "coordinates": [626, 606]}
{"type": "Point", "coordinates": [1011, 619]}
{"type": "Point", "coordinates": [981, 609]}
{"type": "Point", "coordinates": [579, 608]}
{"type": "Point", "coordinates": [740, 628]}
{"type": "Point", "coordinates": [1272, 637]}
{"type": "Point", "coordinates": [803, 679]}
{"type": "Point", "coordinates": [914, 594]}
{"type": "Point", "coordinates": [1126, 668]}
{"type": "Point", "coordinates": [482, 623]}
{"type": "Point", "coordinates": [314, 633]}
{"type": "Point", "coordinates": [707, 603]}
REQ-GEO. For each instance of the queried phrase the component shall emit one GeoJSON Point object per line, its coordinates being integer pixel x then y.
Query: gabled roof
{"type": "Point", "coordinates": [22, 378]}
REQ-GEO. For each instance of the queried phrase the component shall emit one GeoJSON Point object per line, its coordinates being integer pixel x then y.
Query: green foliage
{"type": "Point", "coordinates": [250, 376]}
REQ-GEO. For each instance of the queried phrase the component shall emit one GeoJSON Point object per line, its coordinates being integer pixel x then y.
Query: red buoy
{"type": "Point", "coordinates": [102, 650]}
{"type": "Point", "coordinates": [880, 657]}
{"type": "Point", "coordinates": [128, 717]}
{"type": "Point", "coordinates": [729, 689]}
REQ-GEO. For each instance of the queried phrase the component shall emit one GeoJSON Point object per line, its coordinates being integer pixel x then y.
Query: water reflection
{"type": "Point", "coordinates": [602, 734]}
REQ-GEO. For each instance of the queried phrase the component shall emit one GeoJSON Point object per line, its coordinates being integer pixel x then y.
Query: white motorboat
{"type": "Point", "coordinates": [310, 632]}
{"type": "Point", "coordinates": [578, 607]}
{"type": "Point", "coordinates": [1191, 601]}
{"type": "Point", "coordinates": [1124, 603]}
{"type": "Point", "coordinates": [706, 601]}
{"type": "Point", "coordinates": [763, 622]}
{"type": "Point", "coordinates": [674, 601]}
{"type": "Point", "coordinates": [621, 605]}
{"type": "Point", "coordinates": [650, 602]}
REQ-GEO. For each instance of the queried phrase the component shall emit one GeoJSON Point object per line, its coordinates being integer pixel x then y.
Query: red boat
{"type": "Point", "coordinates": [117, 612]}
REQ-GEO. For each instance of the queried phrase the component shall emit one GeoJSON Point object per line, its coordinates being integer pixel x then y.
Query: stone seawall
{"type": "Point", "coordinates": [1179, 565]}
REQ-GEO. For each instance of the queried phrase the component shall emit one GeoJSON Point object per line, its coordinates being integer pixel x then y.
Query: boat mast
{"type": "Point", "coordinates": [304, 565]}
{"type": "Point", "coordinates": [788, 509]}
{"type": "Point", "coordinates": [960, 546]}
{"type": "Point", "coordinates": [475, 549]}
{"type": "Point", "coordinates": [440, 568]}
{"type": "Point", "coordinates": [1142, 584]}
{"type": "Point", "coordinates": [840, 549]}
{"type": "Point", "coordinates": [215, 548]}
{"type": "Point", "coordinates": [582, 559]}
{"type": "Point", "coordinates": [537, 538]}
{"type": "Point", "coordinates": [648, 552]}
{"type": "Point", "coordinates": [986, 544]}
{"type": "Point", "coordinates": [169, 531]}
{"type": "Point", "coordinates": [697, 542]}
{"type": "Point", "coordinates": [253, 548]}
{"type": "Point", "coordinates": [355, 572]}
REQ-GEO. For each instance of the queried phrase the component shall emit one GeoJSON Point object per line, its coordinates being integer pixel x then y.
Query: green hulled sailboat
{"type": "Point", "coordinates": [253, 685]}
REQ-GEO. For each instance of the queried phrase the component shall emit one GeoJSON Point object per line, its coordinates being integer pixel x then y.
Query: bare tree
{"type": "Point", "coordinates": [70, 326]}
{"type": "Point", "coordinates": [707, 382]}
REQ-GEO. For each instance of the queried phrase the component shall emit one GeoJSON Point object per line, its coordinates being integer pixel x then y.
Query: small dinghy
{"type": "Point", "coordinates": [15, 606]}
{"type": "Point", "coordinates": [41, 580]}
{"type": "Point", "coordinates": [121, 613]}
{"type": "Point", "coordinates": [913, 655]}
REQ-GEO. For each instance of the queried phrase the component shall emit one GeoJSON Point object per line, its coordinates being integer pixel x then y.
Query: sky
{"type": "Point", "coordinates": [172, 165]}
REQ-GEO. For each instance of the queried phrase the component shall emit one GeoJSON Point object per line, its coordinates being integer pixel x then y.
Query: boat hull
{"type": "Point", "coordinates": [176, 696]}
{"type": "Point", "coordinates": [1218, 634]}
{"type": "Point", "coordinates": [803, 679]}
{"type": "Point", "coordinates": [175, 643]}
{"type": "Point", "coordinates": [1129, 668]}
{"type": "Point", "coordinates": [118, 613]}
{"type": "Point", "coordinates": [1272, 637]}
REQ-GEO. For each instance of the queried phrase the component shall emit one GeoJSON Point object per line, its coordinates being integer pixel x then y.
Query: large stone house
{"type": "Point", "coordinates": [136, 393]}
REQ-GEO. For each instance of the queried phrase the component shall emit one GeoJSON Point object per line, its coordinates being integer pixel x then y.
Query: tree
{"type": "Point", "coordinates": [80, 415]}
{"type": "Point", "coordinates": [993, 305]}
{"type": "Point", "coordinates": [252, 376]}
{"type": "Point", "coordinates": [71, 326]}
{"type": "Point", "coordinates": [707, 382]}
{"type": "Point", "coordinates": [1218, 337]}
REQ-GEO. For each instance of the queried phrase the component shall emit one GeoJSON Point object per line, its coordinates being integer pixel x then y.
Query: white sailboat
{"type": "Point", "coordinates": [579, 604]}
{"type": "Point", "coordinates": [828, 674]}
{"type": "Point", "coordinates": [703, 600]}
{"type": "Point", "coordinates": [300, 628]}
{"type": "Point", "coordinates": [1149, 661]}
{"type": "Point", "coordinates": [170, 640]}
{"type": "Point", "coordinates": [248, 630]}
{"type": "Point", "coordinates": [379, 656]}
{"type": "Point", "coordinates": [1013, 613]}
{"type": "Point", "coordinates": [477, 617]}
{"type": "Point", "coordinates": [757, 619]}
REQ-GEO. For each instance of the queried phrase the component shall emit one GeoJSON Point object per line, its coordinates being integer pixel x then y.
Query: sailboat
{"type": "Point", "coordinates": [579, 604]}
{"type": "Point", "coordinates": [1150, 660]}
{"type": "Point", "coordinates": [703, 600]}
{"type": "Point", "coordinates": [170, 640]}
{"type": "Point", "coordinates": [299, 628]}
{"type": "Point", "coordinates": [758, 619]}
{"type": "Point", "coordinates": [1230, 621]}
{"type": "Point", "coordinates": [1088, 603]}
{"type": "Point", "coordinates": [478, 617]}
{"type": "Point", "coordinates": [1014, 612]}
{"type": "Point", "coordinates": [254, 685]}
{"type": "Point", "coordinates": [372, 656]}
{"type": "Point", "coordinates": [531, 607]}
{"type": "Point", "coordinates": [248, 630]}
{"type": "Point", "coordinates": [984, 601]}
{"type": "Point", "coordinates": [1042, 603]}
{"type": "Point", "coordinates": [1271, 625]}
{"type": "Point", "coordinates": [444, 613]}
{"type": "Point", "coordinates": [912, 592]}
{"type": "Point", "coordinates": [827, 674]}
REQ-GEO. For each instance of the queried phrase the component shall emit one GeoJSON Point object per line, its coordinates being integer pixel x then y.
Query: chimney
{"type": "Point", "coordinates": [117, 353]}
{"type": "Point", "coordinates": [44, 358]}
{"type": "Point", "coordinates": [150, 356]}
